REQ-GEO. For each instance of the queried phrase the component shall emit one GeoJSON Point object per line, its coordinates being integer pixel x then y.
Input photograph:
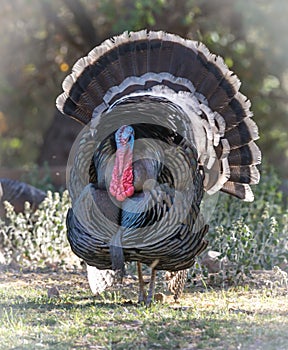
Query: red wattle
{"type": "Point", "coordinates": [121, 185]}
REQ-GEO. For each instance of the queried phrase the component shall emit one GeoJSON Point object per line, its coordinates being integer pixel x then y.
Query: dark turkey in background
{"type": "Point", "coordinates": [17, 193]}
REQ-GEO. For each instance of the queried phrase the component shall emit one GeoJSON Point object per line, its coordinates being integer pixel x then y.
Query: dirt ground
{"type": "Point", "coordinates": [13, 276]}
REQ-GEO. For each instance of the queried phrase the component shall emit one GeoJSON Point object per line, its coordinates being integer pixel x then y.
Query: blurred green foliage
{"type": "Point", "coordinates": [40, 40]}
{"type": "Point", "coordinates": [252, 235]}
{"type": "Point", "coordinates": [35, 239]}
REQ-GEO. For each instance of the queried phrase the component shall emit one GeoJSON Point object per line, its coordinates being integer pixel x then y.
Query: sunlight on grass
{"type": "Point", "coordinates": [239, 317]}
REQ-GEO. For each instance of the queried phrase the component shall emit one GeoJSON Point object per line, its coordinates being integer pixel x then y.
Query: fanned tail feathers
{"type": "Point", "coordinates": [176, 282]}
{"type": "Point", "coordinates": [184, 72]}
{"type": "Point", "coordinates": [99, 280]}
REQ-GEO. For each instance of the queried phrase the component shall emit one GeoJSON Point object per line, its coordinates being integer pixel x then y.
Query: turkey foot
{"type": "Point", "coordinates": [143, 299]}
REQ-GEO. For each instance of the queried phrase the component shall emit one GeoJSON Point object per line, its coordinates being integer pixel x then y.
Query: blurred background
{"type": "Point", "coordinates": [40, 41]}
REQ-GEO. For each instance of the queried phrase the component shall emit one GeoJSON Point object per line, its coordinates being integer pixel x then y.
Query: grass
{"type": "Point", "coordinates": [252, 316]}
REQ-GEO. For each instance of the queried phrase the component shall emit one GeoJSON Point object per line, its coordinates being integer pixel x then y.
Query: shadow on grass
{"type": "Point", "coordinates": [162, 327]}
{"type": "Point", "coordinates": [76, 302]}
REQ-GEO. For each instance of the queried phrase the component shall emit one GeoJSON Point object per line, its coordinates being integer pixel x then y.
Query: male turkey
{"type": "Point", "coordinates": [165, 122]}
{"type": "Point", "coordinates": [17, 193]}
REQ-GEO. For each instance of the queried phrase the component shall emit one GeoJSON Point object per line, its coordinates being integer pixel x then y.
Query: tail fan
{"type": "Point", "coordinates": [176, 282]}
{"type": "Point", "coordinates": [184, 72]}
{"type": "Point", "coordinates": [99, 280]}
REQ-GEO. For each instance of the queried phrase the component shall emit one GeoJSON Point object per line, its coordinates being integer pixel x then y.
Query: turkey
{"type": "Point", "coordinates": [17, 193]}
{"type": "Point", "coordinates": [164, 123]}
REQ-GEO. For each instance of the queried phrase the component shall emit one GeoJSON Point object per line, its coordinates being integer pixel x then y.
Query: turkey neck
{"type": "Point", "coordinates": [121, 185]}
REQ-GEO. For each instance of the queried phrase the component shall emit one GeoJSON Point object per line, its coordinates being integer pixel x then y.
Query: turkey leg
{"type": "Point", "coordinates": [142, 293]}
{"type": "Point", "coordinates": [151, 287]}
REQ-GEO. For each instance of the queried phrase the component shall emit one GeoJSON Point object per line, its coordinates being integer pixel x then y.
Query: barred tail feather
{"type": "Point", "coordinates": [184, 72]}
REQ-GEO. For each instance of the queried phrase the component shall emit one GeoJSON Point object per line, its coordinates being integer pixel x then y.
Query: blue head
{"type": "Point", "coordinates": [125, 136]}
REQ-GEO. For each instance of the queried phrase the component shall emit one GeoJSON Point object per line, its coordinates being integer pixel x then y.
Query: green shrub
{"type": "Point", "coordinates": [37, 238]}
{"type": "Point", "coordinates": [252, 235]}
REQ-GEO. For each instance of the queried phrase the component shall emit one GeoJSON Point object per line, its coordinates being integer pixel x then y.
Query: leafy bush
{"type": "Point", "coordinates": [252, 235]}
{"type": "Point", "coordinates": [37, 238]}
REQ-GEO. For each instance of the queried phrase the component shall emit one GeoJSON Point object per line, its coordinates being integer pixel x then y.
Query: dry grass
{"type": "Point", "coordinates": [248, 317]}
